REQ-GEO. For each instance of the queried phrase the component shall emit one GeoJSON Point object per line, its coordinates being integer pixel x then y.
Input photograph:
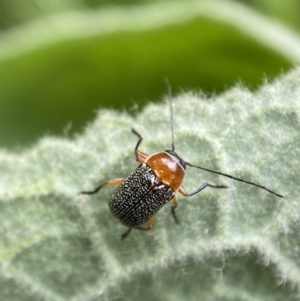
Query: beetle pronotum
{"type": "Point", "coordinates": [153, 184]}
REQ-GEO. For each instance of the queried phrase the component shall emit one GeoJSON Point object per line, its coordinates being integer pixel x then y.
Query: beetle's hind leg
{"type": "Point", "coordinates": [125, 234]}
{"type": "Point", "coordinates": [148, 227]}
{"type": "Point", "coordinates": [174, 206]}
{"type": "Point", "coordinates": [108, 183]}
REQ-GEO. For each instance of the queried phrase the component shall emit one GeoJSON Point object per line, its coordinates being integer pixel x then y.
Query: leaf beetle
{"type": "Point", "coordinates": [153, 184]}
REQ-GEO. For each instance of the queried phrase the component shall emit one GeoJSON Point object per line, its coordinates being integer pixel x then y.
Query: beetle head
{"type": "Point", "coordinates": [177, 158]}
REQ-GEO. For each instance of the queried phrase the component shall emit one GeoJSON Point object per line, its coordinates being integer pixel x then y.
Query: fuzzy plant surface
{"type": "Point", "coordinates": [240, 243]}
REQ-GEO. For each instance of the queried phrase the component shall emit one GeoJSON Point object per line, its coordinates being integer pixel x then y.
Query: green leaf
{"type": "Point", "coordinates": [236, 244]}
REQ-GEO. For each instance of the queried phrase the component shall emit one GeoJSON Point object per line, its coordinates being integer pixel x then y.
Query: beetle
{"type": "Point", "coordinates": [154, 183]}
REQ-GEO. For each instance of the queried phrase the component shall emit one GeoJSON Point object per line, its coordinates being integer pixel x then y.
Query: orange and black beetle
{"type": "Point", "coordinates": [153, 184]}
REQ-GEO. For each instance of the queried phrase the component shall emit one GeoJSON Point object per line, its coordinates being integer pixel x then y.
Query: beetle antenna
{"type": "Point", "coordinates": [237, 179]}
{"type": "Point", "coordinates": [171, 111]}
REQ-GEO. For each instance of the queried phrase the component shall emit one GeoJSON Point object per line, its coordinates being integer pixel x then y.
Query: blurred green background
{"type": "Point", "coordinates": [55, 85]}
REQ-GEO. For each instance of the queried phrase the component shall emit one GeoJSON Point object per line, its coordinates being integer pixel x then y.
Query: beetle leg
{"type": "Point", "coordinates": [201, 187]}
{"type": "Point", "coordinates": [139, 156]}
{"type": "Point", "coordinates": [149, 225]}
{"type": "Point", "coordinates": [125, 234]}
{"type": "Point", "coordinates": [176, 219]}
{"type": "Point", "coordinates": [108, 183]}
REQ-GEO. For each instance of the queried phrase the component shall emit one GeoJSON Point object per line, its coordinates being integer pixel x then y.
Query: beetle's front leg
{"type": "Point", "coordinates": [201, 187]}
{"type": "Point", "coordinates": [174, 206]}
{"type": "Point", "coordinates": [139, 156]}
